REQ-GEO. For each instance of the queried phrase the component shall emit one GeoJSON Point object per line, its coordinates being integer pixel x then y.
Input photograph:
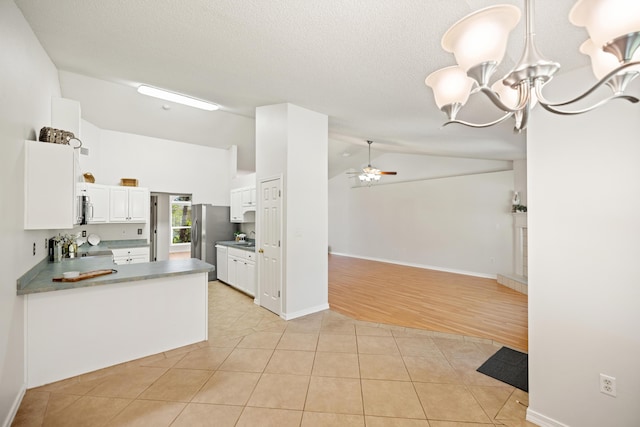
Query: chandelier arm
{"type": "Point", "coordinates": [602, 81]}
{"type": "Point", "coordinates": [552, 108]}
{"type": "Point", "coordinates": [479, 125]}
{"type": "Point", "coordinates": [493, 97]}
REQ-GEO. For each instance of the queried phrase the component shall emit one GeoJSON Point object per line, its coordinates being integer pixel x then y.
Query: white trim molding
{"type": "Point", "coordinates": [305, 312]}
{"type": "Point", "coordinates": [15, 406]}
{"type": "Point", "coordinates": [424, 266]}
{"type": "Point", "coordinates": [542, 420]}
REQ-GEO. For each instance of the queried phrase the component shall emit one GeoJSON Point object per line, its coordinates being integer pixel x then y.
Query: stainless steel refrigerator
{"type": "Point", "coordinates": [209, 224]}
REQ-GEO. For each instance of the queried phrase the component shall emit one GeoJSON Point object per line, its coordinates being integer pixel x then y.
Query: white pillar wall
{"type": "Point", "coordinates": [584, 274]}
{"type": "Point", "coordinates": [293, 142]}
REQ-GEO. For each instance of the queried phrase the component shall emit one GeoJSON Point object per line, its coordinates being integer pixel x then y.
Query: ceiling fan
{"type": "Point", "coordinates": [370, 173]}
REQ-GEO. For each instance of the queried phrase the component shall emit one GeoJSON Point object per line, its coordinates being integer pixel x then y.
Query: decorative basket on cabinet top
{"type": "Point", "coordinates": [57, 136]}
{"type": "Point", "coordinates": [129, 182]}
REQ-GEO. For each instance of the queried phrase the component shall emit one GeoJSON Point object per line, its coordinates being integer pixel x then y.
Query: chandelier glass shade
{"type": "Point", "coordinates": [478, 43]}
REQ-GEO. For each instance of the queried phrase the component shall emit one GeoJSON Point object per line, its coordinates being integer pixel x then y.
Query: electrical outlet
{"type": "Point", "coordinates": [139, 230]}
{"type": "Point", "coordinates": [34, 248]}
{"type": "Point", "coordinates": [46, 243]}
{"type": "Point", "coordinates": [608, 385]}
{"type": "Point", "coordinates": [84, 233]}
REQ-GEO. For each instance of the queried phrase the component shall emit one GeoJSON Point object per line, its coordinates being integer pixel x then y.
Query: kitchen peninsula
{"type": "Point", "coordinates": [136, 311]}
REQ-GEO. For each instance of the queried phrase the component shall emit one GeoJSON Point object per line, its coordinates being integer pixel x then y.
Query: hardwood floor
{"type": "Point", "coordinates": [428, 299]}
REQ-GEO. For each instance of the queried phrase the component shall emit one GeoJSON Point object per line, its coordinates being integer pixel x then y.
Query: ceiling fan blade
{"type": "Point", "coordinates": [387, 173]}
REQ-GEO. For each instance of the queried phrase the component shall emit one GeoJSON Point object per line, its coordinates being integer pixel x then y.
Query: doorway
{"type": "Point", "coordinates": [168, 240]}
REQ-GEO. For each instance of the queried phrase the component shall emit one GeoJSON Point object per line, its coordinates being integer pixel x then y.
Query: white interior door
{"type": "Point", "coordinates": [269, 253]}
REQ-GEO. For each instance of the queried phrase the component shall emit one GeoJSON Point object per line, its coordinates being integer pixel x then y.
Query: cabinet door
{"type": "Point", "coordinates": [251, 278]}
{"type": "Point", "coordinates": [138, 259]}
{"type": "Point", "coordinates": [232, 270]}
{"type": "Point", "coordinates": [98, 203]}
{"type": "Point", "coordinates": [236, 206]}
{"type": "Point", "coordinates": [118, 204]}
{"type": "Point", "coordinates": [221, 263]}
{"type": "Point", "coordinates": [138, 202]}
{"type": "Point", "coordinates": [246, 196]}
{"type": "Point", "coordinates": [121, 260]}
{"type": "Point", "coordinates": [49, 186]}
{"type": "Point", "coordinates": [249, 196]}
{"type": "Point", "coordinates": [242, 275]}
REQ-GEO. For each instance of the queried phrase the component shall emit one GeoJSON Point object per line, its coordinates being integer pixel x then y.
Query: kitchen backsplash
{"type": "Point", "coordinates": [113, 231]}
{"type": "Point", "coordinates": [248, 227]}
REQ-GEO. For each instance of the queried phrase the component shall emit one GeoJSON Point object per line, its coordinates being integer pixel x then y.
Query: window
{"type": "Point", "coordinates": [180, 219]}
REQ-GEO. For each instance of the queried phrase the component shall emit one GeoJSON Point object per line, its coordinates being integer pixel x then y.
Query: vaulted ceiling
{"type": "Point", "coordinates": [361, 62]}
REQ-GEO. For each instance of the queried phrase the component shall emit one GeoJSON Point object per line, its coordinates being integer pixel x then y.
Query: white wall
{"type": "Point", "coordinates": [520, 179]}
{"type": "Point", "coordinates": [28, 80]}
{"type": "Point", "coordinates": [460, 224]}
{"type": "Point", "coordinates": [165, 166]}
{"type": "Point", "coordinates": [90, 136]}
{"type": "Point", "coordinates": [243, 179]}
{"type": "Point", "coordinates": [584, 274]}
{"type": "Point", "coordinates": [307, 215]}
{"type": "Point", "coordinates": [292, 141]}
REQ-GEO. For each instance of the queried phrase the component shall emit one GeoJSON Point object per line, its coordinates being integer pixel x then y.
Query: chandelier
{"type": "Point", "coordinates": [479, 41]}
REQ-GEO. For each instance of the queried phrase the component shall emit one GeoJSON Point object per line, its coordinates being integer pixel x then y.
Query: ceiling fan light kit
{"type": "Point", "coordinates": [370, 174]}
{"type": "Point", "coordinates": [478, 43]}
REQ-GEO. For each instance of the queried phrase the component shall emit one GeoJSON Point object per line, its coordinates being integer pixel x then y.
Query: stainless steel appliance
{"type": "Point", "coordinates": [83, 207]}
{"type": "Point", "coordinates": [209, 224]}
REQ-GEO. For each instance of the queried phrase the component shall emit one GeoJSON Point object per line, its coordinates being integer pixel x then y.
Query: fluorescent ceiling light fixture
{"type": "Point", "coordinates": [176, 97]}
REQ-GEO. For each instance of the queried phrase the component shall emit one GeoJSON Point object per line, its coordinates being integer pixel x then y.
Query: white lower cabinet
{"type": "Point", "coordinates": [221, 263]}
{"type": "Point", "coordinates": [241, 267]}
{"type": "Point", "coordinates": [130, 255]}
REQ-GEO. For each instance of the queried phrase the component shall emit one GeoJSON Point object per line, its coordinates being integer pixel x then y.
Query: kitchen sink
{"type": "Point", "coordinates": [245, 244]}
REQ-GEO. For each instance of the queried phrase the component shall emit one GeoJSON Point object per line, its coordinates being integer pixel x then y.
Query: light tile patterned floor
{"type": "Point", "coordinates": [259, 370]}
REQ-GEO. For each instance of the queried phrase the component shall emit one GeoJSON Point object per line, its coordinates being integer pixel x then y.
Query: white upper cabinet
{"type": "Point", "coordinates": [49, 186]}
{"type": "Point", "coordinates": [128, 204]}
{"type": "Point", "coordinates": [236, 206]}
{"type": "Point", "coordinates": [243, 200]}
{"type": "Point", "coordinates": [248, 197]}
{"type": "Point", "coordinates": [138, 204]}
{"type": "Point", "coordinates": [98, 209]}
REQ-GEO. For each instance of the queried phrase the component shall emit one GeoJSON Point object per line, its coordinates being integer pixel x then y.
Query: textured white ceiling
{"type": "Point", "coordinates": [361, 62]}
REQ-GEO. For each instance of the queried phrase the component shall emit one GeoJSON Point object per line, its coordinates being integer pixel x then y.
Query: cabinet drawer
{"type": "Point", "coordinates": [140, 251]}
{"type": "Point", "coordinates": [241, 253]}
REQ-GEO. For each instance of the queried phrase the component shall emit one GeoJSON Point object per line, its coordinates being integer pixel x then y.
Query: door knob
{"type": "Point", "coordinates": [260, 251]}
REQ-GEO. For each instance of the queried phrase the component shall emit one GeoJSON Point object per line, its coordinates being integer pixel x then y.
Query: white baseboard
{"type": "Point", "coordinates": [305, 312]}
{"type": "Point", "coordinates": [16, 405]}
{"type": "Point", "coordinates": [542, 420]}
{"type": "Point", "coordinates": [426, 267]}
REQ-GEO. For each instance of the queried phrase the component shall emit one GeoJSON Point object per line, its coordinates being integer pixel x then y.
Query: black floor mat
{"type": "Point", "coordinates": [509, 366]}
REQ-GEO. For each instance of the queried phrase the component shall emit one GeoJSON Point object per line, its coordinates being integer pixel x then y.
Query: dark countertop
{"type": "Point", "coordinates": [40, 278]}
{"type": "Point", "coordinates": [243, 246]}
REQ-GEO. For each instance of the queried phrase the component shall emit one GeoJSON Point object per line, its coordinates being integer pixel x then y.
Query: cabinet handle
{"type": "Point", "coordinates": [260, 251]}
